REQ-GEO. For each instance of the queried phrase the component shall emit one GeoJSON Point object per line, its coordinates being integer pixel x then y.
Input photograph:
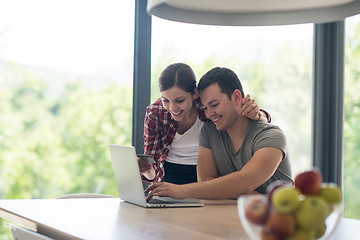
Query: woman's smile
{"type": "Point", "coordinates": [176, 114]}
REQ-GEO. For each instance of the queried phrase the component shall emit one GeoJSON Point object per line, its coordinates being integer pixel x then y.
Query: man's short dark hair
{"type": "Point", "coordinates": [226, 79]}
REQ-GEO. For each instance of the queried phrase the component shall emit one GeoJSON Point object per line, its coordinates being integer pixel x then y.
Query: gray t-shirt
{"type": "Point", "coordinates": [258, 135]}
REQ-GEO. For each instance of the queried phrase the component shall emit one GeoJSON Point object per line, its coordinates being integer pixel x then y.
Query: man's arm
{"type": "Point", "coordinates": [258, 170]}
{"type": "Point", "coordinates": [206, 168]}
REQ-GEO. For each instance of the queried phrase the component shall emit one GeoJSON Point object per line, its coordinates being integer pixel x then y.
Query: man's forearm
{"type": "Point", "coordinates": [226, 187]}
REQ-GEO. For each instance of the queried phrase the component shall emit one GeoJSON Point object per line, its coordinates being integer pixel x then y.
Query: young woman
{"type": "Point", "coordinates": [172, 125]}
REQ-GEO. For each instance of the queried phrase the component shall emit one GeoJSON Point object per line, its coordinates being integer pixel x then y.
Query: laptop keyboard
{"type": "Point", "coordinates": [158, 201]}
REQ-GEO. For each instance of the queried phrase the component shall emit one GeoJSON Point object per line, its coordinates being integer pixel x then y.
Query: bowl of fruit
{"type": "Point", "coordinates": [309, 209]}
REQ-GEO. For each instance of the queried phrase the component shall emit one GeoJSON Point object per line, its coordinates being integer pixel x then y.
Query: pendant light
{"type": "Point", "coordinates": [253, 12]}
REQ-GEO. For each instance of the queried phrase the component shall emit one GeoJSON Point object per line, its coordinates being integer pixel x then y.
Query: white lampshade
{"type": "Point", "coordinates": [253, 12]}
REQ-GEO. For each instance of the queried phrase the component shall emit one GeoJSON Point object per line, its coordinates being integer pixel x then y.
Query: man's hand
{"type": "Point", "coordinates": [164, 189]}
{"type": "Point", "coordinates": [249, 109]}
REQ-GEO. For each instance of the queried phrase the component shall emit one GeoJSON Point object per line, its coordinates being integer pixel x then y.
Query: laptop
{"type": "Point", "coordinates": [129, 183]}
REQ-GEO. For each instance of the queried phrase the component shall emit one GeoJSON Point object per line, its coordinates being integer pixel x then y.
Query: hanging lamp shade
{"type": "Point", "coordinates": [253, 12]}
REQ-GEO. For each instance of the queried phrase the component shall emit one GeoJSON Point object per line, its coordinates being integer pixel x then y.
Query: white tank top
{"type": "Point", "coordinates": [184, 148]}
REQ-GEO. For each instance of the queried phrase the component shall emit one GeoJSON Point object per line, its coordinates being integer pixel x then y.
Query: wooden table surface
{"type": "Point", "coordinates": [114, 219]}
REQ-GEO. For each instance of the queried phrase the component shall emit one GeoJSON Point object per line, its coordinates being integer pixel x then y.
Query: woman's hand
{"type": "Point", "coordinates": [144, 166]}
{"type": "Point", "coordinates": [146, 169]}
{"type": "Point", "coordinates": [250, 109]}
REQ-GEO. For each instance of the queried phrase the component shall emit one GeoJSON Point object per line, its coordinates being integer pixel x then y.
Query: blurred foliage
{"type": "Point", "coordinates": [55, 142]}
{"type": "Point", "coordinates": [48, 142]}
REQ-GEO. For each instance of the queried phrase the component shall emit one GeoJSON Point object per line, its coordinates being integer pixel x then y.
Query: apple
{"type": "Point", "coordinates": [280, 224]}
{"type": "Point", "coordinates": [319, 232]}
{"type": "Point", "coordinates": [286, 199]}
{"type": "Point", "coordinates": [273, 186]}
{"type": "Point", "coordinates": [312, 213]}
{"type": "Point", "coordinates": [257, 210]}
{"type": "Point", "coordinates": [309, 182]}
{"type": "Point", "coordinates": [331, 193]}
{"type": "Point", "coordinates": [266, 234]}
{"type": "Point", "coordinates": [301, 235]}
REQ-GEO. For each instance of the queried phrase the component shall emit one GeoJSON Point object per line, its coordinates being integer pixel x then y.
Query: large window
{"type": "Point", "coordinates": [66, 70]}
{"type": "Point", "coordinates": [274, 64]}
{"type": "Point", "coordinates": [352, 119]}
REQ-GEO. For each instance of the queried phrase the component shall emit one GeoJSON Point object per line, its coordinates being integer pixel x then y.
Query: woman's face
{"type": "Point", "coordinates": [178, 102]}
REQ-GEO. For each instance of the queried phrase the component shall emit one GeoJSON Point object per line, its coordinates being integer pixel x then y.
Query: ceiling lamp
{"type": "Point", "coordinates": [253, 12]}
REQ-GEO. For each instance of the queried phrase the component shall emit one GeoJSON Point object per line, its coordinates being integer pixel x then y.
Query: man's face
{"type": "Point", "coordinates": [218, 107]}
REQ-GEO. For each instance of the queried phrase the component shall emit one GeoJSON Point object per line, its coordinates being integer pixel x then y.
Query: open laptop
{"type": "Point", "coordinates": [129, 183]}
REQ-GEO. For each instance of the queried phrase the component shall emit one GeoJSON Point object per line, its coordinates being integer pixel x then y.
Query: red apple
{"type": "Point", "coordinates": [257, 210]}
{"type": "Point", "coordinates": [280, 224]}
{"type": "Point", "coordinates": [309, 182]}
{"type": "Point", "coordinates": [266, 234]}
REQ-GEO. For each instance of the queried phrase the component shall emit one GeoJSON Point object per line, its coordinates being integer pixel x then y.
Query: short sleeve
{"type": "Point", "coordinates": [271, 137]}
{"type": "Point", "coordinates": [204, 139]}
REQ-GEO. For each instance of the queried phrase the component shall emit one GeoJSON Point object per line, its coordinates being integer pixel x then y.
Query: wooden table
{"type": "Point", "coordinates": [114, 219]}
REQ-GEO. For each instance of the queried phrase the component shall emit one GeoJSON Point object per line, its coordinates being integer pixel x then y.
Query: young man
{"type": "Point", "coordinates": [236, 155]}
